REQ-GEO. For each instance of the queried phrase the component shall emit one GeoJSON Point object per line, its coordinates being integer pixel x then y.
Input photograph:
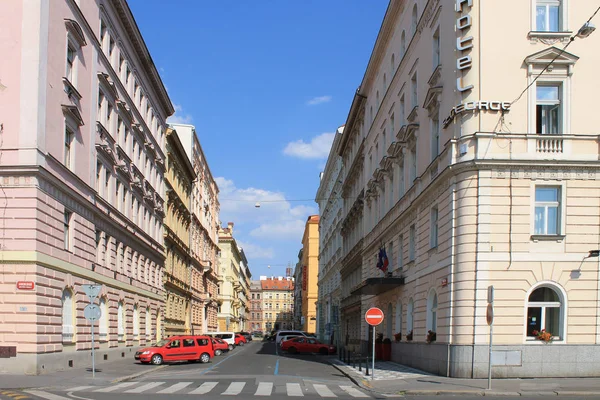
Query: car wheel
{"type": "Point", "coordinates": [241, 344]}
{"type": "Point", "coordinates": [230, 347]}
{"type": "Point", "coordinates": [292, 350]}
{"type": "Point", "coordinates": [157, 359]}
{"type": "Point", "coordinates": [218, 352]}
{"type": "Point", "coordinates": [323, 351]}
{"type": "Point", "coordinates": [204, 358]}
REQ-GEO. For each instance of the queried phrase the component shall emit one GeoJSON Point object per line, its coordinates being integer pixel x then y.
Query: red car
{"type": "Point", "coordinates": [240, 340]}
{"type": "Point", "coordinates": [177, 348]}
{"type": "Point", "coordinates": [220, 346]}
{"type": "Point", "coordinates": [307, 345]}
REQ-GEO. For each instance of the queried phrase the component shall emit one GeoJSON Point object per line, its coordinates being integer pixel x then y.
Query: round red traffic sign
{"type": "Point", "coordinates": [374, 316]}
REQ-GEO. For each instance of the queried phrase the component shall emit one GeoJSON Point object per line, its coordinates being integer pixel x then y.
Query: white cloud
{"type": "Point", "coordinates": [318, 147]}
{"type": "Point", "coordinates": [319, 100]}
{"type": "Point", "coordinates": [254, 251]}
{"type": "Point", "coordinates": [179, 117]}
{"type": "Point", "coordinates": [280, 230]}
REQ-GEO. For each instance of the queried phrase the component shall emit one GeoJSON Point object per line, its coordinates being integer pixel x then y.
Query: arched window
{"type": "Point", "coordinates": [68, 316]}
{"type": "Point", "coordinates": [432, 305]}
{"type": "Point", "coordinates": [121, 322]}
{"type": "Point", "coordinates": [103, 320]}
{"type": "Point", "coordinates": [545, 311]}
{"type": "Point", "coordinates": [388, 327]}
{"type": "Point", "coordinates": [402, 44]}
{"type": "Point", "coordinates": [392, 66]}
{"type": "Point", "coordinates": [399, 316]}
{"type": "Point", "coordinates": [384, 82]}
{"type": "Point", "coordinates": [409, 316]}
{"type": "Point", "coordinates": [136, 323]}
{"type": "Point", "coordinates": [414, 20]}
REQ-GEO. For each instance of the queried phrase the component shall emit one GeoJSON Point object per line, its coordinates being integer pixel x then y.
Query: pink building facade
{"type": "Point", "coordinates": [82, 123]}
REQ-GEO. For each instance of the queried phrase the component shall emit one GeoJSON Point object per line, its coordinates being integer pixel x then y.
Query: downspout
{"type": "Point", "coordinates": [451, 279]}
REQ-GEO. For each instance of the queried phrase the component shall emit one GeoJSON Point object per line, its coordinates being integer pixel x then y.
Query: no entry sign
{"type": "Point", "coordinates": [374, 316]}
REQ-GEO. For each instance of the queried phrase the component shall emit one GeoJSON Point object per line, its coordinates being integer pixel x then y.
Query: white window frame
{"type": "Point", "coordinates": [412, 243]}
{"type": "Point", "coordinates": [437, 50]}
{"type": "Point", "coordinates": [557, 77]}
{"type": "Point", "coordinates": [563, 316]}
{"type": "Point", "coordinates": [402, 45]}
{"type": "Point", "coordinates": [400, 258]}
{"type": "Point", "coordinates": [435, 135]}
{"type": "Point", "coordinates": [136, 323]}
{"type": "Point", "coordinates": [414, 91]}
{"type": "Point", "coordinates": [68, 229]}
{"type": "Point", "coordinates": [148, 324]}
{"type": "Point", "coordinates": [121, 321]}
{"type": "Point", "coordinates": [559, 103]}
{"type": "Point", "coordinates": [432, 311]}
{"type": "Point", "coordinates": [414, 20]}
{"type": "Point", "coordinates": [413, 164]}
{"type": "Point", "coordinates": [562, 15]}
{"type": "Point", "coordinates": [68, 316]}
{"type": "Point", "coordinates": [71, 72]}
{"type": "Point", "coordinates": [103, 324]}
{"type": "Point", "coordinates": [562, 208]}
{"type": "Point", "coordinates": [434, 227]}
{"type": "Point", "coordinates": [410, 316]}
{"type": "Point", "coordinates": [69, 145]}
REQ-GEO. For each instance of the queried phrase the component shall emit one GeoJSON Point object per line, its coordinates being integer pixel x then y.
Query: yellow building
{"type": "Point", "coordinates": [310, 269]}
{"type": "Point", "coordinates": [177, 273]}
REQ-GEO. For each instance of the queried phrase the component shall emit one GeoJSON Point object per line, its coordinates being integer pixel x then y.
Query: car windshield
{"type": "Point", "coordinates": [161, 343]}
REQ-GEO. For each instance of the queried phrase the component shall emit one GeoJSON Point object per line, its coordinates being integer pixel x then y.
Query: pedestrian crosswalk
{"type": "Point", "coordinates": [223, 388]}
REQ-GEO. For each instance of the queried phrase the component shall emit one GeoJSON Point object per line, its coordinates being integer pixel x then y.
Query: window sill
{"type": "Point", "coordinates": [547, 238]}
{"type": "Point", "coordinates": [549, 37]}
{"type": "Point", "coordinates": [70, 89]}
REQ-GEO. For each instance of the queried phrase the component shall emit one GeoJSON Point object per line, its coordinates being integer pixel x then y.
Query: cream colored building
{"type": "Point", "coordinates": [232, 294]}
{"type": "Point", "coordinates": [277, 302]}
{"type": "Point", "coordinates": [472, 168]}
{"type": "Point", "coordinates": [309, 272]}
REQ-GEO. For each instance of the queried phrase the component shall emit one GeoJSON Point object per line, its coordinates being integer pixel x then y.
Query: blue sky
{"type": "Point", "coordinates": [266, 83]}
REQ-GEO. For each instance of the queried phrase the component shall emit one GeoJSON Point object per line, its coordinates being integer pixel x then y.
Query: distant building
{"type": "Point", "coordinates": [256, 321]}
{"type": "Point", "coordinates": [277, 302]}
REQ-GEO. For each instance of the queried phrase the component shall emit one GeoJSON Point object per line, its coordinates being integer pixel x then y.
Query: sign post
{"type": "Point", "coordinates": [489, 316]}
{"type": "Point", "coordinates": [92, 312]}
{"type": "Point", "coordinates": [374, 317]}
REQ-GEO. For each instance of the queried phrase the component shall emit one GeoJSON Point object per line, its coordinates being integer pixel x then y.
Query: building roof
{"type": "Point", "coordinates": [276, 284]}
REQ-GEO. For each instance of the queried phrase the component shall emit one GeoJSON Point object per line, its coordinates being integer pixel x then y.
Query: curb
{"type": "Point", "coordinates": [138, 374]}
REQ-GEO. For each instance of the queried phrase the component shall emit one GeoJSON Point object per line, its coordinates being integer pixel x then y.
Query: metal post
{"type": "Point", "coordinates": [373, 369]}
{"type": "Point", "coordinates": [490, 358]}
{"type": "Point", "coordinates": [93, 353]}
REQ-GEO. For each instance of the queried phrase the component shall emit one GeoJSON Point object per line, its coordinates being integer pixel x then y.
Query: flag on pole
{"type": "Point", "coordinates": [382, 260]}
{"type": "Point", "coordinates": [386, 262]}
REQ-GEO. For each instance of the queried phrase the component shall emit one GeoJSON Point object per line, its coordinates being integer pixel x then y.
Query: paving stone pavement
{"type": "Point", "coordinates": [384, 370]}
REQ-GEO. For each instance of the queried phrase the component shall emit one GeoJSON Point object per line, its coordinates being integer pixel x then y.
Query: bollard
{"type": "Point", "coordinates": [367, 366]}
{"type": "Point", "coordinates": [352, 360]}
{"type": "Point", "coordinates": [359, 363]}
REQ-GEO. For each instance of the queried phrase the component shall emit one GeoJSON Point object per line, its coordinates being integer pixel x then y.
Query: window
{"type": "Point", "coordinates": [392, 65]}
{"type": "Point", "coordinates": [545, 312]}
{"type": "Point", "coordinates": [398, 316]}
{"type": "Point", "coordinates": [67, 229]}
{"type": "Point", "coordinates": [68, 317]}
{"type": "Point", "coordinates": [433, 232]}
{"type": "Point", "coordinates": [71, 54]}
{"type": "Point", "coordinates": [414, 92]}
{"type": "Point", "coordinates": [435, 136]}
{"type": "Point", "coordinates": [432, 305]}
{"type": "Point", "coordinates": [103, 320]}
{"type": "Point", "coordinates": [402, 111]}
{"type": "Point", "coordinates": [547, 210]}
{"type": "Point", "coordinates": [402, 44]}
{"type": "Point", "coordinates": [409, 316]}
{"type": "Point", "coordinates": [400, 251]}
{"type": "Point", "coordinates": [148, 327]}
{"type": "Point", "coordinates": [548, 15]}
{"type": "Point", "coordinates": [100, 116]}
{"type": "Point", "coordinates": [413, 163]}
{"type": "Point", "coordinates": [69, 137]}
{"type": "Point", "coordinates": [548, 109]}
{"type": "Point", "coordinates": [121, 322]}
{"type": "Point", "coordinates": [411, 243]}
{"type": "Point", "coordinates": [136, 323]}
{"type": "Point", "coordinates": [190, 342]}
{"type": "Point", "coordinates": [392, 127]}
{"type": "Point", "coordinates": [390, 312]}
{"type": "Point", "coordinates": [436, 48]}
{"type": "Point", "coordinates": [414, 20]}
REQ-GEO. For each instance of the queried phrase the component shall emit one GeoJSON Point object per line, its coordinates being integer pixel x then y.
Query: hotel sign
{"type": "Point", "coordinates": [464, 62]}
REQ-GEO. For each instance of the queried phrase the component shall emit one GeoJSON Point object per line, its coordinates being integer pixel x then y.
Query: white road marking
{"type": "Point", "coordinates": [294, 389]}
{"type": "Point", "coordinates": [352, 391]}
{"type": "Point", "coordinates": [174, 388]}
{"type": "Point", "coordinates": [204, 388]}
{"type": "Point", "coordinates": [143, 388]}
{"type": "Point", "coordinates": [234, 389]}
{"type": "Point", "coordinates": [46, 395]}
{"type": "Point", "coordinates": [80, 388]}
{"type": "Point", "coordinates": [323, 390]}
{"type": "Point", "coordinates": [264, 389]}
{"type": "Point", "coordinates": [116, 387]}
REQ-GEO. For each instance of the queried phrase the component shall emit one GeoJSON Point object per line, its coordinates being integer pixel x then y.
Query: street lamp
{"type": "Point", "coordinates": [585, 31]}
{"type": "Point", "coordinates": [593, 253]}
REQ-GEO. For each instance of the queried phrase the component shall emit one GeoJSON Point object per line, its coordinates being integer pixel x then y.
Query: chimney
{"type": "Point", "coordinates": [230, 227]}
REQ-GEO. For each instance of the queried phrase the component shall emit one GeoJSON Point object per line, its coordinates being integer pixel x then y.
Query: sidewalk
{"type": "Point", "coordinates": [396, 379]}
{"type": "Point", "coordinates": [106, 373]}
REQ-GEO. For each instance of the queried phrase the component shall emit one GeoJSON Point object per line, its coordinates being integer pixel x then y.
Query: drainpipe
{"type": "Point", "coordinates": [451, 278]}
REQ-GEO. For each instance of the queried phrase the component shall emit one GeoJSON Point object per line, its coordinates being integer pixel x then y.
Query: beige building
{"type": "Point", "coordinates": [474, 163]}
{"type": "Point", "coordinates": [204, 240]}
{"type": "Point", "coordinates": [232, 277]}
{"type": "Point", "coordinates": [277, 303]}
{"type": "Point", "coordinates": [177, 272]}
{"type": "Point", "coordinates": [310, 268]}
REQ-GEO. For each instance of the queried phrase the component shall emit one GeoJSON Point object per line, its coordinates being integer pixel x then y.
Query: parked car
{"type": "Point", "coordinates": [240, 340]}
{"type": "Point", "coordinates": [177, 348]}
{"type": "Point", "coordinates": [247, 335]}
{"type": "Point", "coordinates": [281, 334]}
{"type": "Point", "coordinates": [220, 346]}
{"type": "Point", "coordinates": [228, 337]}
{"type": "Point", "coordinates": [288, 337]}
{"type": "Point", "coordinates": [307, 345]}
{"type": "Point", "coordinates": [257, 334]}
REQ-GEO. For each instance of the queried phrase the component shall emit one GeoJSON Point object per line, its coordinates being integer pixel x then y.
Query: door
{"type": "Point", "coordinates": [189, 350]}
{"type": "Point", "coordinates": [313, 346]}
{"type": "Point", "coordinates": [172, 350]}
{"type": "Point", "coordinates": [301, 345]}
